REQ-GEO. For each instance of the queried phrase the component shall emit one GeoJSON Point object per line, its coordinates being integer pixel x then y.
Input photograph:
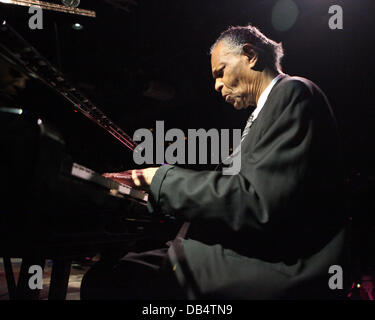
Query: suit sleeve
{"type": "Point", "coordinates": [261, 193]}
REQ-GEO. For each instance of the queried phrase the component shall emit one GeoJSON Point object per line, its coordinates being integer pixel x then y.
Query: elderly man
{"type": "Point", "coordinates": [273, 230]}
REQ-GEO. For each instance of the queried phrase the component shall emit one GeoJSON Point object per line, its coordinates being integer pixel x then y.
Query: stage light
{"type": "Point", "coordinates": [284, 15]}
{"type": "Point", "coordinates": [77, 26]}
{"type": "Point", "coordinates": [71, 3]}
{"type": "Point", "coordinates": [12, 110]}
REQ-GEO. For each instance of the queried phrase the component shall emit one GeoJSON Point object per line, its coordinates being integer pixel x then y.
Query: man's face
{"type": "Point", "coordinates": [233, 76]}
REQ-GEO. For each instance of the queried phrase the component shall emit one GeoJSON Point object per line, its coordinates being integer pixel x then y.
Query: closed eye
{"type": "Point", "coordinates": [219, 73]}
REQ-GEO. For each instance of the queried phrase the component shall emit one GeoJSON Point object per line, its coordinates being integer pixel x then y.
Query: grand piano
{"type": "Point", "coordinates": [53, 204]}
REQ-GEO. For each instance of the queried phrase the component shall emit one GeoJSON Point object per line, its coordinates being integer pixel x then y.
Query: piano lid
{"type": "Point", "coordinates": [23, 56]}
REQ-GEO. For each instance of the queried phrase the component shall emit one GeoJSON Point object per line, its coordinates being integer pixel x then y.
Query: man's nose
{"type": "Point", "coordinates": [218, 85]}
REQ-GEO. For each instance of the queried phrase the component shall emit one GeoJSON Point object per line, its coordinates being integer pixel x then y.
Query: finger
{"type": "Point", "coordinates": [119, 175]}
{"type": "Point", "coordinates": [121, 178]}
{"type": "Point", "coordinates": [107, 175]}
{"type": "Point", "coordinates": [135, 178]}
{"type": "Point", "coordinates": [141, 177]}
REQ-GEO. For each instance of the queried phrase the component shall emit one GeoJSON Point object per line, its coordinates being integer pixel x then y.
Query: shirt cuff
{"type": "Point", "coordinates": [155, 187]}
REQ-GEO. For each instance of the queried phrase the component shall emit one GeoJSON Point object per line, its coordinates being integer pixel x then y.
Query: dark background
{"type": "Point", "coordinates": [116, 55]}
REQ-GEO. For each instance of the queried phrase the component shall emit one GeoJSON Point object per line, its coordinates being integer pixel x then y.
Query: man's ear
{"type": "Point", "coordinates": [251, 54]}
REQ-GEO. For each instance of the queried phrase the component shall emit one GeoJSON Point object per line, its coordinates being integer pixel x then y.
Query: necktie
{"type": "Point", "coordinates": [247, 127]}
{"type": "Point", "coordinates": [245, 132]}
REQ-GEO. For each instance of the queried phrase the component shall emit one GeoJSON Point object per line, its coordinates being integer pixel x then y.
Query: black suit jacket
{"type": "Point", "coordinates": [273, 230]}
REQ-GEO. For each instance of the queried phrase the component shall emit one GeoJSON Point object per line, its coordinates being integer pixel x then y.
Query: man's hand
{"type": "Point", "coordinates": [141, 178]}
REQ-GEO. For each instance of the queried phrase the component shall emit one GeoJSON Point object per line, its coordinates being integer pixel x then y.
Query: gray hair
{"type": "Point", "coordinates": [269, 51]}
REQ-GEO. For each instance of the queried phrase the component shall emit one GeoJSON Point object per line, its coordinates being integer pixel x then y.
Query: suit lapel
{"type": "Point", "coordinates": [260, 123]}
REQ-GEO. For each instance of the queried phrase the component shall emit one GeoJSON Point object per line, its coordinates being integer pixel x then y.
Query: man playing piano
{"type": "Point", "coordinates": [273, 230]}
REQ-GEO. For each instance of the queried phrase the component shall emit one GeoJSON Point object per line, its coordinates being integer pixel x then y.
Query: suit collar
{"type": "Point", "coordinates": [264, 96]}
